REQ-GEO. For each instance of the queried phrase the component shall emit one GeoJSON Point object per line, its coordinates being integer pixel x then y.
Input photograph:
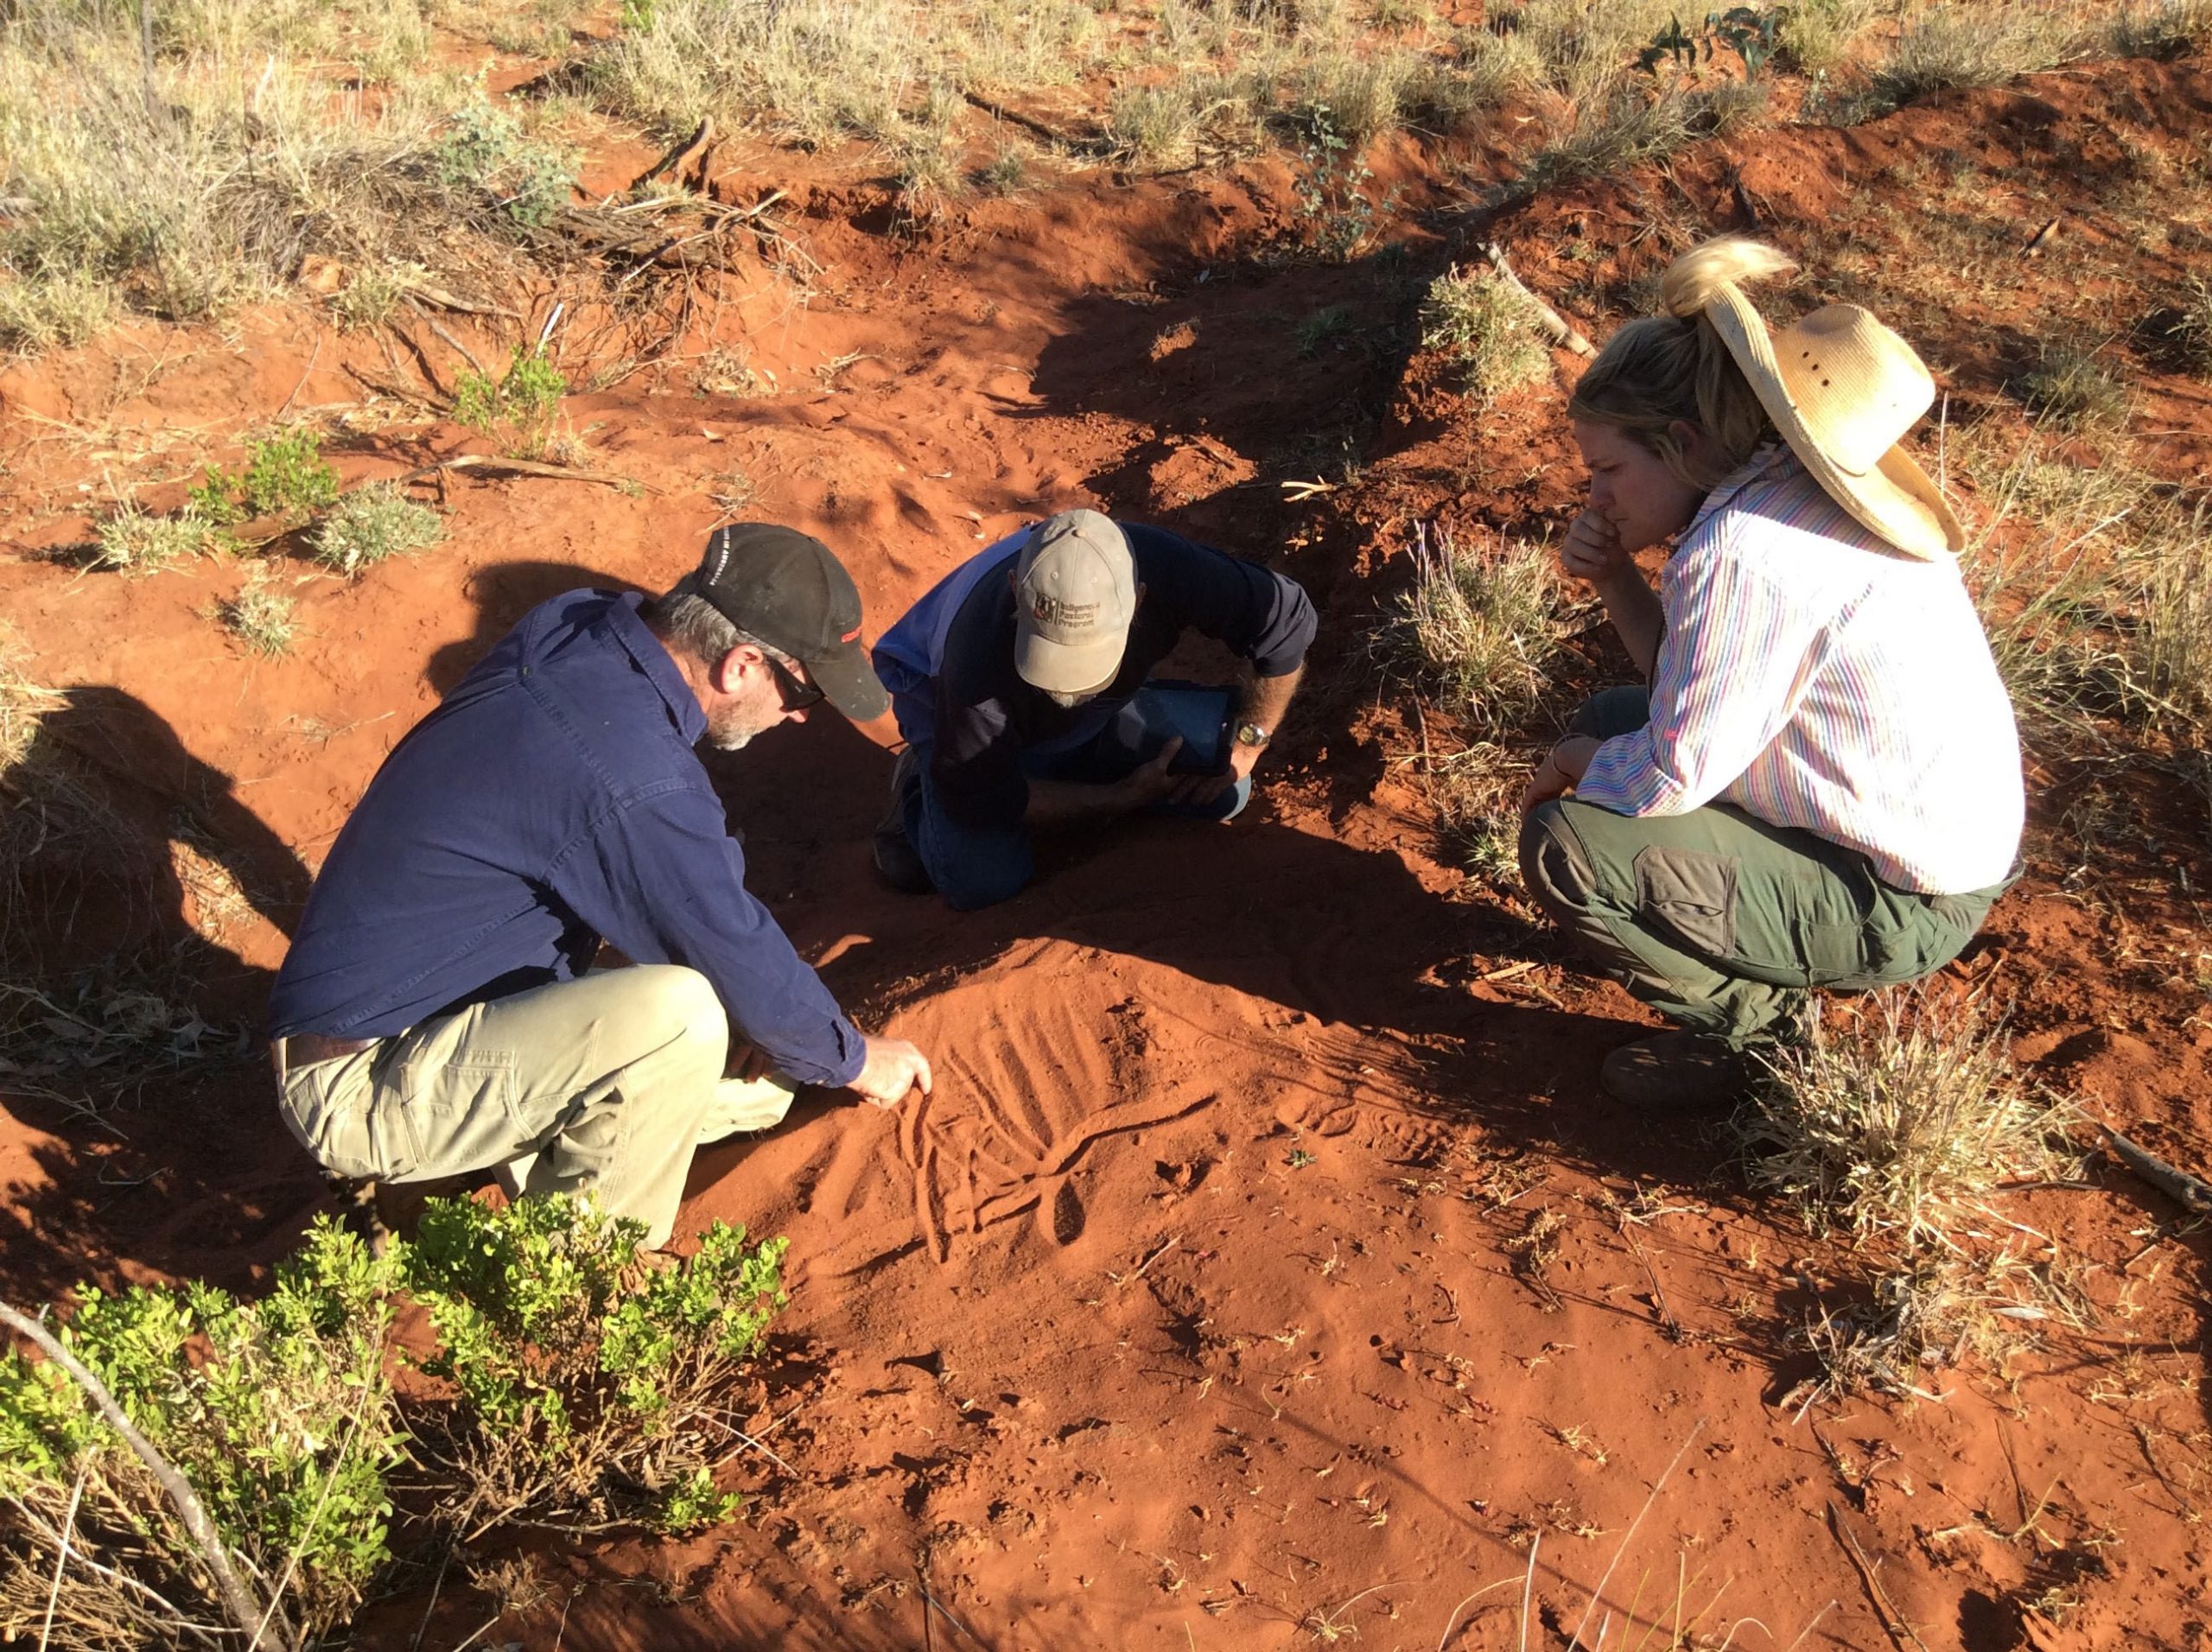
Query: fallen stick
{"type": "Point", "coordinates": [2040, 240]}
{"type": "Point", "coordinates": [1561, 330]}
{"type": "Point", "coordinates": [445, 300]}
{"type": "Point", "coordinates": [466, 355]}
{"type": "Point", "coordinates": [2191, 1192]}
{"type": "Point", "coordinates": [247, 1613]}
{"type": "Point", "coordinates": [520, 468]}
{"type": "Point", "coordinates": [1892, 1621]}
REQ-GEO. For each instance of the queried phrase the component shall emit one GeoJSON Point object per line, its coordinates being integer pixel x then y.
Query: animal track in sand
{"type": "Point", "coordinates": [1017, 1105]}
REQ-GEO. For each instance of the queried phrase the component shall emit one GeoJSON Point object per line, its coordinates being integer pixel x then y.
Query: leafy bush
{"type": "Point", "coordinates": [287, 475]}
{"type": "Point", "coordinates": [485, 147]}
{"type": "Point", "coordinates": [519, 406]}
{"type": "Point", "coordinates": [1485, 327]}
{"type": "Point", "coordinates": [370, 524]}
{"type": "Point", "coordinates": [589, 1384]}
{"type": "Point", "coordinates": [277, 1413]}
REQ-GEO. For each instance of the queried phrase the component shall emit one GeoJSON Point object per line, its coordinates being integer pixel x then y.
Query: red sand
{"type": "Point", "coordinates": [1196, 1308]}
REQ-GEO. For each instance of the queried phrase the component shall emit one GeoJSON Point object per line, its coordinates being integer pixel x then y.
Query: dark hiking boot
{"type": "Point", "coordinates": [895, 857]}
{"type": "Point", "coordinates": [1675, 1069]}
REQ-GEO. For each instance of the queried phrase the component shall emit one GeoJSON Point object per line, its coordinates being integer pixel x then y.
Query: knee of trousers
{"type": "Point", "coordinates": [1553, 865]}
{"type": "Point", "coordinates": [684, 1010]}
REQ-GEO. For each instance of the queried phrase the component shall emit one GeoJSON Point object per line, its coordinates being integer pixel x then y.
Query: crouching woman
{"type": "Point", "coordinates": [1821, 787]}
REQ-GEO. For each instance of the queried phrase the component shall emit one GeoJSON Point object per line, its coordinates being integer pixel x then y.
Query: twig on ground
{"type": "Point", "coordinates": [1892, 1621]}
{"type": "Point", "coordinates": [2040, 239]}
{"type": "Point", "coordinates": [246, 1612]}
{"type": "Point", "coordinates": [466, 355]}
{"type": "Point", "coordinates": [314, 356]}
{"type": "Point", "coordinates": [2192, 1193]}
{"type": "Point", "coordinates": [520, 468]}
{"type": "Point", "coordinates": [1561, 330]}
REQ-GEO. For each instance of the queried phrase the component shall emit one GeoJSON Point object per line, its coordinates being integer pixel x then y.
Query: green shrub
{"type": "Point", "coordinates": [1487, 329]}
{"type": "Point", "coordinates": [370, 524]}
{"type": "Point", "coordinates": [587, 1379]}
{"type": "Point", "coordinates": [216, 500]}
{"type": "Point", "coordinates": [518, 407]}
{"type": "Point", "coordinates": [484, 147]}
{"type": "Point", "coordinates": [287, 475]}
{"type": "Point", "coordinates": [279, 1413]}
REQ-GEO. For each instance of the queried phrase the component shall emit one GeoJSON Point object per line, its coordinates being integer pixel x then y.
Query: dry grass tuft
{"type": "Point", "coordinates": [2163, 29]}
{"type": "Point", "coordinates": [1950, 46]}
{"type": "Point", "coordinates": [1898, 1117]}
{"type": "Point", "coordinates": [1485, 327]}
{"type": "Point", "coordinates": [259, 617]}
{"type": "Point", "coordinates": [370, 524]}
{"type": "Point", "coordinates": [1485, 624]}
{"type": "Point", "coordinates": [2075, 390]}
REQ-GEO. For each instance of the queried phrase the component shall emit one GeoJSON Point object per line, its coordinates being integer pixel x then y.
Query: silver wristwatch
{"type": "Point", "coordinates": [1250, 733]}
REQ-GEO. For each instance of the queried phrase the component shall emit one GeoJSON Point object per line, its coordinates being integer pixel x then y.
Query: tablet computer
{"type": "Point", "coordinates": [1160, 711]}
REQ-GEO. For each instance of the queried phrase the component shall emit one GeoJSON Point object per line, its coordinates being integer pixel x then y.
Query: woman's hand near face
{"type": "Point", "coordinates": [1592, 551]}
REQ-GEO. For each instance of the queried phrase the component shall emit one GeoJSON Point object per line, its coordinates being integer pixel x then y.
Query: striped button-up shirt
{"type": "Point", "coordinates": [1816, 678]}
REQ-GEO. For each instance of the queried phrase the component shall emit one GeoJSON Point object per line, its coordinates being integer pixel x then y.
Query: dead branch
{"type": "Point", "coordinates": [2192, 1193]}
{"type": "Point", "coordinates": [1035, 128]}
{"type": "Point", "coordinates": [246, 1611]}
{"type": "Point", "coordinates": [2039, 240]}
{"type": "Point", "coordinates": [475, 366]}
{"type": "Point", "coordinates": [520, 468]}
{"type": "Point", "coordinates": [445, 300]}
{"type": "Point", "coordinates": [1562, 331]}
{"type": "Point", "coordinates": [1892, 1621]}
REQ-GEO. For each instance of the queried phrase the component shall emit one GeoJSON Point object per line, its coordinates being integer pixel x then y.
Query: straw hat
{"type": "Point", "coordinates": [1843, 390]}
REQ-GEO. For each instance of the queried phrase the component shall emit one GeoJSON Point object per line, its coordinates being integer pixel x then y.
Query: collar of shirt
{"type": "Point", "coordinates": [1772, 459]}
{"type": "Point", "coordinates": [629, 629]}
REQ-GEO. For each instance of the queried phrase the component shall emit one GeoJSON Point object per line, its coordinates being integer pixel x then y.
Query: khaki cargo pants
{"type": "Point", "coordinates": [607, 1084]}
{"type": "Point", "coordinates": [1719, 921]}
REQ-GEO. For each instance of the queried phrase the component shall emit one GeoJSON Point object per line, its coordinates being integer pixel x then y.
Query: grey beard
{"type": "Point", "coordinates": [1068, 701]}
{"type": "Point", "coordinates": [727, 740]}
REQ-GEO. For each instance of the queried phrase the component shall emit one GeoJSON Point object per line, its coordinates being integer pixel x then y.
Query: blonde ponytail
{"type": "Point", "coordinates": [1674, 367]}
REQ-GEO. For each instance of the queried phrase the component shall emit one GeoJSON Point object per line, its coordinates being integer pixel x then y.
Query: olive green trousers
{"type": "Point", "coordinates": [1721, 922]}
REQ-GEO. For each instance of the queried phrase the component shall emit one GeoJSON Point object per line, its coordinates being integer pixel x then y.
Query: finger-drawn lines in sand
{"type": "Point", "coordinates": [1018, 1104]}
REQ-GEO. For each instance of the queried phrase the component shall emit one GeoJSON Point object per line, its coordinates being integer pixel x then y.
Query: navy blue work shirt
{"type": "Point", "coordinates": [552, 800]}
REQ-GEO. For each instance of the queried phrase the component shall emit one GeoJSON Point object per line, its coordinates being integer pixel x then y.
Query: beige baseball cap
{"type": "Point", "coordinates": [1075, 593]}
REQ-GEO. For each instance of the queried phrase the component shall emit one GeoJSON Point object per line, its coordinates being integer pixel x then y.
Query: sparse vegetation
{"type": "Point", "coordinates": [370, 524]}
{"type": "Point", "coordinates": [518, 407]}
{"type": "Point", "coordinates": [133, 540]}
{"type": "Point", "coordinates": [1952, 46]}
{"type": "Point", "coordinates": [2160, 28]}
{"type": "Point", "coordinates": [2075, 389]}
{"type": "Point", "coordinates": [1485, 624]}
{"type": "Point", "coordinates": [1899, 1118]}
{"type": "Point", "coordinates": [259, 617]}
{"type": "Point", "coordinates": [1486, 327]}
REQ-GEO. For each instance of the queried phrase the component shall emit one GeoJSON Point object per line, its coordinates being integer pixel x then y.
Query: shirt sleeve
{"type": "Point", "coordinates": [1732, 662]}
{"type": "Point", "coordinates": [662, 879]}
{"type": "Point", "coordinates": [1264, 616]}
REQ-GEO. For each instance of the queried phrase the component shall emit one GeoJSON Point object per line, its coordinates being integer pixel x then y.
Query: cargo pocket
{"type": "Point", "coordinates": [1691, 893]}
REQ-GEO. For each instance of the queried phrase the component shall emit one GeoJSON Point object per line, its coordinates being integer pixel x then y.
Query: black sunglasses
{"type": "Point", "coordinates": [796, 696]}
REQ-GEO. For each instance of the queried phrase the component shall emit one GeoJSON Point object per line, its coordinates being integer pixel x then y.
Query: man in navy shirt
{"type": "Point", "coordinates": [1020, 682]}
{"type": "Point", "coordinates": [437, 1012]}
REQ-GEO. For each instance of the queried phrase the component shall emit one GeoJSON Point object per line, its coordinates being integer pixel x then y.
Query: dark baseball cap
{"type": "Point", "coordinates": [786, 588]}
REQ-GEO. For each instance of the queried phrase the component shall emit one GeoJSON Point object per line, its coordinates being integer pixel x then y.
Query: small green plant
{"type": "Point", "coordinates": [1325, 328]}
{"type": "Point", "coordinates": [287, 475]}
{"type": "Point", "coordinates": [1486, 327]}
{"type": "Point", "coordinates": [136, 541]}
{"type": "Point", "coordinates": [1006, 172]}
{"type": "Point", "coordinates": [277, 1413]}
{"type": "Point", "coordinates": [2071, 387]}
{"type": "Point", "coordinates": [216, 500]}
{"type": "Point", "coordinates": [1485, 624]}
{"type": "Point", "coordinates": [370, 524]}
{"type": "Point", "coordinates": [258, 617]}
{"type": "Point", "coordinates": [484, 147]}
{"type": "Point", "coordinates": [1338, 216]}
{"type": "Point", "coordinates": [372, 293]}
{"type": "Point", "coordinates": [519, 406]}
{"type": "Point", "coordinates": [588, 1381]}
{"type": "Point", "coordinates": [1751, 32]}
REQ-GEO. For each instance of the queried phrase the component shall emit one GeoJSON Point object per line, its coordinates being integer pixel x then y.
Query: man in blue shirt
{"type": "Point", "coordinates": [437, 1012]}
{"type": "Point", "coordinates": [1020, 684]}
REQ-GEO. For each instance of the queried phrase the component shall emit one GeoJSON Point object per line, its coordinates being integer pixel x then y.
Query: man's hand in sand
{"type": "Point", "coordinates": [893, 1069]}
